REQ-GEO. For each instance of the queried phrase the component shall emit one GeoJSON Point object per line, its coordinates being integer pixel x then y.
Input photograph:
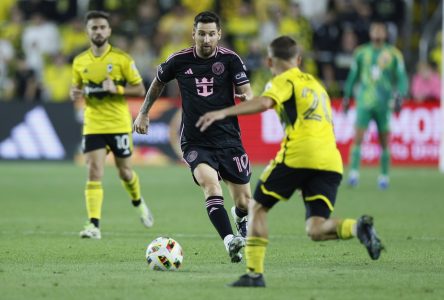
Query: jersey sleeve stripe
{"type": "Point", "coordinates": [157, 76]}
{"type": "Point", "coordinates": [242, 82]}
{"type": "Point", "coordinates": [181, 52]}
{"type": "Point", "coordinates": [224, 50]}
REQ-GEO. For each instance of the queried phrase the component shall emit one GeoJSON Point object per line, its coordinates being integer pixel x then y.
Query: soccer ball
{"type": "Point", "coordinates": [164, 254]}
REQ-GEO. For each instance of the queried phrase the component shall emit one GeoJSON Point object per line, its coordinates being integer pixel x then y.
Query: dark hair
{"type": "Point", "coordinates": [207, 17]}
{"type": "Point", "coordinates": [284, 47]}
{"type": "Point", "coordinates": [96, 14]}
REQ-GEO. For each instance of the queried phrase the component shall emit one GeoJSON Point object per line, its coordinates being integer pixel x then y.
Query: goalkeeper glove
{"type": "Point", "coordinates": [345, 104]}
{"type": "Point", "coordinates": [397, 103]}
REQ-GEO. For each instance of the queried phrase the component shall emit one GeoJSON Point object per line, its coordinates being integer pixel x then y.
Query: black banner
{"type": "Point", "coordinates": [49, 131]}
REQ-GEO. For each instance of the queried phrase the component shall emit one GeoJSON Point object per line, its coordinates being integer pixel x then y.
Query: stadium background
{"type": "Point", "coordinates": [38, 40]}
{"type": "Point", "coordinates": [41, 189]}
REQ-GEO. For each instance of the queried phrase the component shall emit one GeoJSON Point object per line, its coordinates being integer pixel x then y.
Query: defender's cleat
{"type": "Point", "coordinates": [353, 178]}
{"type": "Point", "coordinates": [241, 223]}
{"type": "Point", "coordinates": [146, 217]}
{"type": "Point", "coordinates": [91, 232]}
{"type": "Point", "coordinates": [368, 237]}
{"type": "Point", "coordinates": [234, 248]}
{"type": "Point", "coordinates": [383, 182]}
{"type": "Point", "coordinates": [249, 281]}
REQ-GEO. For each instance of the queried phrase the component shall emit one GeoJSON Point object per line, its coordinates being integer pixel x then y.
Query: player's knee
{"type": "Point", "coordinates": [255, 207]}
{"type": "Point", "coordinates": [95, 171]}
{"type": "Point", "coordinates": [211, 188]}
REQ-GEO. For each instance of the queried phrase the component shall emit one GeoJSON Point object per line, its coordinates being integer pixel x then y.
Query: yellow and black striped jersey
{"type": "Point", "coordinates": [105, 112]}
{"type": "Point", "coordinates": [305, 110]}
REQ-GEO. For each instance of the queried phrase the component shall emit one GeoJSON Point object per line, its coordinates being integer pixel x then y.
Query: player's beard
{"type": "Point", "coordinates": [99, 42]}
{"type": "Point", "coordinates": [207, 50]}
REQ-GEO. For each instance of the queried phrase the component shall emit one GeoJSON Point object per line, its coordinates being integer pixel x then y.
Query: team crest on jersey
{"type": "Point", "coordinates": [204, 86]}
{"type": "Point", "coordinates": [218, 68]}
{"type": "Point", "coordinates": [191, 156]}
{"type": "Point", "coordinates": [109, 68]}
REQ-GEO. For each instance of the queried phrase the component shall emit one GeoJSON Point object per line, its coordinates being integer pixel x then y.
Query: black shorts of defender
{"type": "Point", "coordinates": [319, 188]}
{"type": "Point", "coordinates": [231, 164]}
{"type": "Point", "coordinates": [120, 144]}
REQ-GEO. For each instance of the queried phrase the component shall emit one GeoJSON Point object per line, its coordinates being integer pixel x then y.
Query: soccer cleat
{"type": "Point", "coordinates": [241, 223]}
{"type": "Point", "coordinates": [145, 214]}
{"type": "Point", "coordinates": [234, 247]}
{"type": "Point", "coordinates": [368, 237]}
{"type": "Point", "coordinates": [383, 182]}
{"type": "Point", "coordinates": [353, 178]}
{"type": "Point", "coordinates": [90, 232]}
{"type": "Point", "coordinates": [249, 281]}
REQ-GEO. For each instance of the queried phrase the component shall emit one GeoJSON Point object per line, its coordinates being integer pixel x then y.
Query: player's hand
{"type": "Point", "coordinates": [141, 124]}
{"type": "Point", "coordinates": [108, 85]}
{"type": "Point", "coordinates": [241, 97]}
{"type": "Point", "coordinates": [209, 118]}
{"type": "Point", "coordinates": [345, 104]}
{"type": "Point", "coordinates": [397, 103]}
{"type": "Point", "coordinates": [76, 93]}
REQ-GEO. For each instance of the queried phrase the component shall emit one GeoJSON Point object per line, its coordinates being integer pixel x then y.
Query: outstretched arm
{"type": "Point", "coordinates": [142, 121]}
{"type": "Point", "coordinates": [257, 104]}
{"type": "Point", "coordinates": [244, 92]}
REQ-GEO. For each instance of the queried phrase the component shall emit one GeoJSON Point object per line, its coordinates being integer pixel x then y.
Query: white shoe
{"type": "Point", "coordinates": [234, 246]}
{"type": "Point", "coordinates": [146, 217]}
{"type": "Point", "coordinates": [91, 232]}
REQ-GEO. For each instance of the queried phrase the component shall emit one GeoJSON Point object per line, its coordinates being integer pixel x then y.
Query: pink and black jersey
{"type": "Point", "coordinates": [206, 85]}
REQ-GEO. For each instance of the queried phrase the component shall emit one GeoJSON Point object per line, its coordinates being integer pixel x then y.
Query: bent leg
{"type": "Point", "coordinates": [207, 179]}
{"type": "Point", "coordinates": [129, 179]}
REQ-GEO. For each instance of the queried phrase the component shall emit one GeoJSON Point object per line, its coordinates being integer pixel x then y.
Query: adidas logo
{"type": "Point", "coordinates": [35, 138]}
{"type": "Point", "coordinates": [212, 209]}
{"type": "Point", "coordinates": [189, 71]}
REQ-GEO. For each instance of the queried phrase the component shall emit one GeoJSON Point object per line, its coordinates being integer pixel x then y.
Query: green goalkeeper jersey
{"type": "Point", "coordinates": [380, 73]}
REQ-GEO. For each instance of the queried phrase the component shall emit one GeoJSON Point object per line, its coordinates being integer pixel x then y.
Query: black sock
{"type": "Point", "coordinates": [218, 215]}
{"type": "Point", "coordinates": [136, 202]}
{"type": "Point", "coordinates": [240, 213]}
{"type": "Point", "coordinates": [95, 222]}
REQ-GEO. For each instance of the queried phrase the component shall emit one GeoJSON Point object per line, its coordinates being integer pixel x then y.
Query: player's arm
{"type": "Point", "coordinates": [244, 92]}
{"type": "Point", "coordinates": [134, 90]}
{"type": "Point", "coordinates": [350, 82]}
{"type": "Point", "coordinates": [256, 105]}
{"type": "Point", "coordinates": [76, 91]}
{"type": "Point", "coordinates": [142, 121]}
{"type": "Point", "coordinates": [401, 84]}
{"type": "Point", "coordinates": [401, 75]}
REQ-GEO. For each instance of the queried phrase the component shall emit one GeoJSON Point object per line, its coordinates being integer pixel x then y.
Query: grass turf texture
{"type": "Point", "coordinates": [41, 256]}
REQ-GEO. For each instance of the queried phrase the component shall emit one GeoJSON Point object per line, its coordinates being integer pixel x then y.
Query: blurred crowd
{"type": "Point", "coordinates": [39, 39]}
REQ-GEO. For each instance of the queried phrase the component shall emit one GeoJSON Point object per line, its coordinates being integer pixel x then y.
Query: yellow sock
{"type": "Point", "coordinates": [94, 199]}
{"type": "Point", "coordinates": [345, 229]}
{"type": "Point", "coordinates": [255, 254]}
{"type": "Point", "coordinates": [133, 187]}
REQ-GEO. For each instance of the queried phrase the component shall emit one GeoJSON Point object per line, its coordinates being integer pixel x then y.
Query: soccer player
{"type": "Point", "coordinates": [308, 160]}
{"type": "Point", "coordinates": [104, 75]}
{"type": "Point", "coordinates": [208, 76]}
{"type": "Point", "coordinates": [379, 69]}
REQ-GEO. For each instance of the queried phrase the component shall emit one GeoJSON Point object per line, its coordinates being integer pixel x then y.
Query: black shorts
{"type": "Point", "coordinates": [231, 164]}
{"type": "Point", "coordinates": [319, 188]}
{"type": "Point", "coordinates": [120, 144]}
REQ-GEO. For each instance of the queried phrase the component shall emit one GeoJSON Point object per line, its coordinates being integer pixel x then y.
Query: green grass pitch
{"type": "Point", "coordinates": [42, 257]}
